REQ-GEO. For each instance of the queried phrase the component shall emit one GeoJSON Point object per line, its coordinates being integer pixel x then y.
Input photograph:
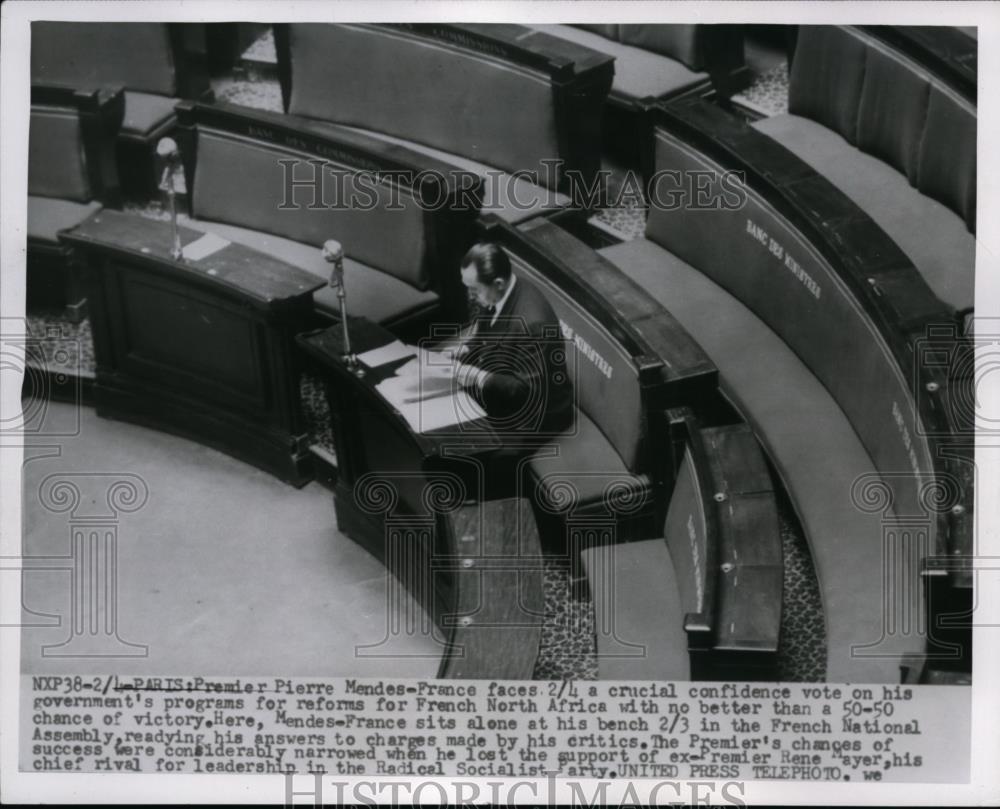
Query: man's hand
{"type": "Point", "coordinates": [469, 376]}
{"type": "Point", "coordinates": [440, 365]}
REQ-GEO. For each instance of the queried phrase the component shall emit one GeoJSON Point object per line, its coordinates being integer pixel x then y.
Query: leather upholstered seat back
{"type": "Point", "coordinates": [826, 77]}
{"type": "Point", "coordinates": [606, 30]}
{"type": "Point", "coordinates": [247, 182]}
{"type": "Point", "coordinates": [459, 100]}
{"type": "Point", "coordinates": [889, 106]}
{"type": "Point", "coordinates": [685, 43]}
{"type": "Point", "coordinates": [136, 55]}
{"type": "Point", "coordinates": [56, 163]}
{"type": "Point", "coordinates": [946, 159]}
{"type": "Point", "coordinates": [606, 385]}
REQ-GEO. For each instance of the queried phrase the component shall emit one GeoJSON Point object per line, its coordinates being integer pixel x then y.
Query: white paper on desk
{"type": "Point", "coordinates": [383, 355]}
{"type": "Point", "coordinates": [426, 366]}
{"type": "Point", "coordinates": [432, 412]}
{"type": "Point", "coordinates": [404, 389]}
{"type": "Point", "coordinates": [205, 246]}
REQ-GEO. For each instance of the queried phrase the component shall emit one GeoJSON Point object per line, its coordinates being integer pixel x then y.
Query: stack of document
{"type": "Point", "coordinates": [383, 355]}
{"type": "Point", "coordinates": [427, 400]}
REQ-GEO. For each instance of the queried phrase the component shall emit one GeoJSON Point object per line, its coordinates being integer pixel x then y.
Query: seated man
{"type": "Point", "coordinates": [512, 356]}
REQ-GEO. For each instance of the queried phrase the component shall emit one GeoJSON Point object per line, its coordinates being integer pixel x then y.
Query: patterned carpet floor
{"type": "Point", "coordinates": [768, 94]}
{"type": "Point", "coordinates": [568, 647]}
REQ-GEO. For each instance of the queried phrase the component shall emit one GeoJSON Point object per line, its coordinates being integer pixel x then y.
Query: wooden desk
{"type": "Point", "coordinates": [200, 348]}
{"type": "Point", "coordinates": [375, 444]}
{"type": "Point", "coordinates": [416, 501]}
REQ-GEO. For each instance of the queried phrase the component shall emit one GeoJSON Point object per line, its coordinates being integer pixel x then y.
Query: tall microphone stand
{"type": "Point", "coordinates": [333, 254]}
{"type": "Point", "coordinates": [167, 149]}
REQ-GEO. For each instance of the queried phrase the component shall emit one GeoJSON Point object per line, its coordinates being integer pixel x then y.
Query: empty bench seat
{"type": "Point", "coordinates": [810, 441]}
{"type": "Point", "coordinates": [896, 140]}
{"type": "Point", "coordinates": [512, 197]}
{"type": "Point", "coordinates": [139, 56]}
{"type": "Point", "coordinates": [70, 175]}
{"type": "Point", "coordinates": [47, 216]}
{"type": "Point", "coordinates": [156, 63]}
{"type": "Point", "coordinates": [285, 185]}
{"type": "Point", "coordinates": [381, 296]}
{"type": "Point", "coordinates": [651, 61]}
{"type": "Point", "coordinates": [705, 600]}
{"type": "Point", "coordinates": [505, 98]}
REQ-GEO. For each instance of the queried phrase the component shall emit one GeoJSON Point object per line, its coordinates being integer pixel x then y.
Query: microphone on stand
{"type": "Point", "coordinates": [333, 254]}
{"type": "Point", "coordinates": [167, 150]}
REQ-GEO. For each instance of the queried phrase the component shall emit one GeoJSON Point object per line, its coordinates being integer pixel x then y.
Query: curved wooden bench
{"type": "Point", "coordinates": [71, 174]}
{"type": "Point", "coordinates": [157, 63]}
{"type": "Point", "coordinates": [822, 274]}
{"type": "Point", "coordinates": [808, 438]}
{"type": "Point", "coordinates": [403, 219]}
{"type": "Point", "coordinates": [651, 61]}
{"type": "Point", "coordinates": [704, 601]}
{"type": "Point", "coordinates": [451, 88]}
{"type": "Point", "coordinates": [896, 139]}
{"type": "Point", "coordinates": [628, 360]}
{"type": "Point", "coordinates": [657, 63]}
{"type": "Point", "coordinates": [831, 284]}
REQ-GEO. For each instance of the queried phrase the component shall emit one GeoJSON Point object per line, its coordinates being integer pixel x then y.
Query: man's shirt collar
{"type": "Point", "coordinates": [498, 307]}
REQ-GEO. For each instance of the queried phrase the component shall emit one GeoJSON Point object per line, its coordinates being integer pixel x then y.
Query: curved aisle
{"type": "Point", "coordinates": [224, 570]}
{"type": "Point", "coordinates": [810, 441]}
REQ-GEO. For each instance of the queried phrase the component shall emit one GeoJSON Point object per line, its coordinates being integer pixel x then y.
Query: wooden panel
{"type": "Point", "coordinates": [496, 620]}
{"type": "Point", "coordinates": [166, 336]}
{"type": "Point", "coordinates": [686, 531]}
{"type": "Point", "coordinates": [725, 545]}
{"type": "Point", "coordinates": [738, 464]}
{"type": "Point", "coordinates": [234, 272]}
{"type": "Point", "coordinates": [751, 578]}
{"type": "Point", "coordinates": [200, 348]}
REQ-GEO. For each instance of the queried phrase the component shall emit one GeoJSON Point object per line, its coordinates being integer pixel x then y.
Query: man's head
{"type": "Point", "coordinates": [486, 273]}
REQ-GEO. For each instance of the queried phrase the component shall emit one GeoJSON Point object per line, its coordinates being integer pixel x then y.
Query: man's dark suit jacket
{"type": "Point", "coordinates": [527, 390]}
